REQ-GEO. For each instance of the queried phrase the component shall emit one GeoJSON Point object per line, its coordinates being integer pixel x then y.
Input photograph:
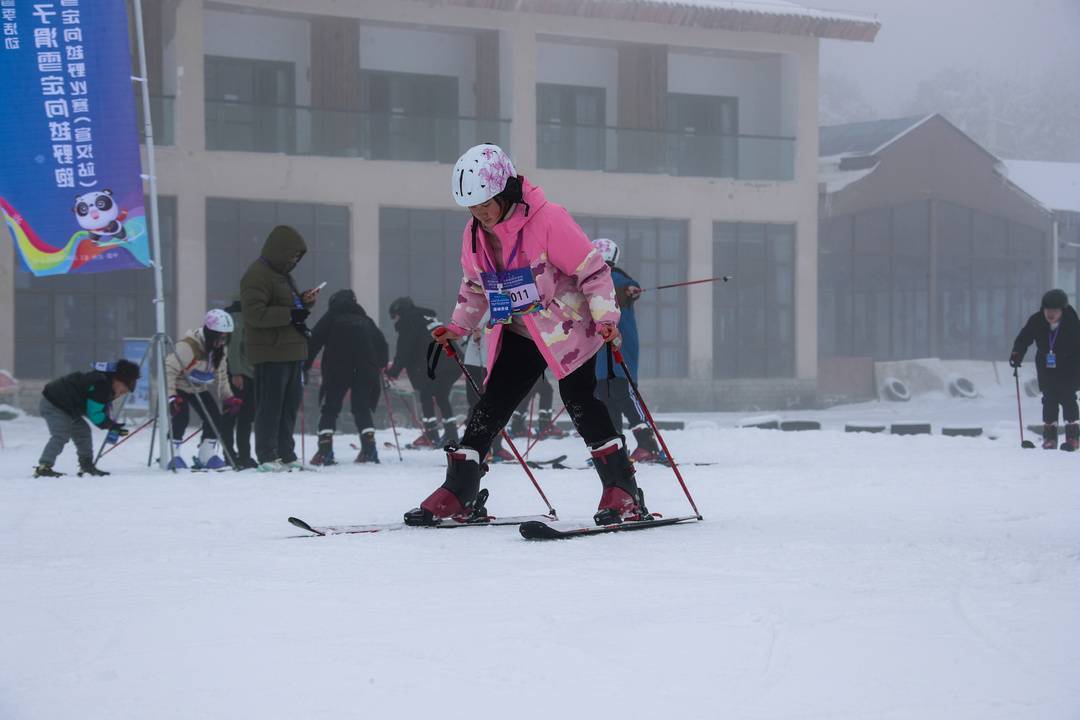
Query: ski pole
{"type": "Point", "coordinates": [103, 452]}
{"type": "Point", "coordinates": [390, 413]}
{"type": "Point", "coordinates": [536, 439]}
{"type": "Point", "coordinates": [656, 430]}
{"type": "Point", "coordinates": [725, 278]}
{"type": "Point", "coordinates": [452, 352]}
{"type": "Point", "coordinates": [529, 426]}
{"type": "Point", "coordinates": [1027, 444]}
{"type": "Point", "coordinates": [303, 389]}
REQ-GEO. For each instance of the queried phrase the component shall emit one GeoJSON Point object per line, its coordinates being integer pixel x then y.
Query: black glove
{"type": "Point", "coordinates": [299, 315]}
{"type": "Point", "coordinates": [1015, 360]}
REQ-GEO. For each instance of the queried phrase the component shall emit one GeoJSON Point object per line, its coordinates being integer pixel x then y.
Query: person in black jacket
{"type": "Point", "coordinates": [414, 325]}
{"type": "Point", "coordinates": [66, 400]}
{"type": "Point", "coordinates": [1055, 330]}
{"type": "Point", "coordinates": [354, 354]}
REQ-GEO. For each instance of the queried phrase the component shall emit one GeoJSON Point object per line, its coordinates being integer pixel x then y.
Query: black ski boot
{"type": "Point", "coordinates": [450, 434]}
{"type": "Point", "coordinates": [46, 470]}
{"type": "Point", "coordinates": [621, 499]}
{"type": "Point", "coordinates": [325, 454]}
{"type": "Point", "coordinates": [430, 437]}
{"type": "Point", "coordinates": [517, 425]}
{"type": "Point", "coordinates": [87, 467]}
{"type": "Point", "coordinates": [368, 452]}
{"type": "Point", "coordinates": [1050, 436]}
{"type": "Point", "coordinates": [457, 498]}
{"type": "Point", "coordinates": [647, 450]}
{"type": "Point", "coordinates": [1072, 437]}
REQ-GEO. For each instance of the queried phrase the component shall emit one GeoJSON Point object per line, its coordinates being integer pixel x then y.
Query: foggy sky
{"type": "Point", "coordinates": [919, 37]}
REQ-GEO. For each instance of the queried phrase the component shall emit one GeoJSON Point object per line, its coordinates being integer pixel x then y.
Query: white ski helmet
{"type": "Point", "coordinates": [608, 249]}
{"type": "Point", "coordinates": [218, 321]}
{"type": "Point", "coordinates": [480, 174]}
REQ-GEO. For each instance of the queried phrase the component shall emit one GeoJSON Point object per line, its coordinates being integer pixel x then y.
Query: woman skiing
{"type": "Point", "coordinates": [196, 365]}
{"type": "Point", "coordinates": [1055, 330]}
{"type": "Point", "coordinates": [552, 305]}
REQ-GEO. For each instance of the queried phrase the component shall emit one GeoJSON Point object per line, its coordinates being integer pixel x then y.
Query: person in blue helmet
{"type": "Point", "coordinates": [614, 388]}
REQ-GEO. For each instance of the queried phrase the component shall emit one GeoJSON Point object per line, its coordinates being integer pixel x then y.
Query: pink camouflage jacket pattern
{"type": "Point", "coordinates": [574, 282]}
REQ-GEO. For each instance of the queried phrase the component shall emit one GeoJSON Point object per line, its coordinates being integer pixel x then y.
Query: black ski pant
{"type": "Point", "coordinates": [435, 392]}
{"type": "Point", "coordinates": [237, 428]}
{"type": "Point", "coordinates": [205, 407]}
{"type": "Point", "coordinates": [1059, 395]}
{"type": "Point", "coordinates": [616, 394]}
{"type": "Point", "coordinates": [477, 374]}
{"type": "Point", "coordinates": [516, 370]}
{"type": "Point", "coordinates": [544, 392]}
{"type": "Point", "coordinates": [363, 397]}
{"type": "Point", "coordinates": [278, 394]}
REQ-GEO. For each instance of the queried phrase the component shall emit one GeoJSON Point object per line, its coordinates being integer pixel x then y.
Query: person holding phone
{"type": "Point", "coordinates": [276, 339]}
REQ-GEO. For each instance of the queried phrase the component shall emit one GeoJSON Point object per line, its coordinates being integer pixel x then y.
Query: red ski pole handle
{"type": "Point", "coordinates": [447, 345]}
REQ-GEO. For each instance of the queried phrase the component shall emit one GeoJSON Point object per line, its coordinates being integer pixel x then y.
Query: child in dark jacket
{"type": "Point", "coordinates": [1055, 330]}
{"type": "Point", "coordinates": [66, 400]}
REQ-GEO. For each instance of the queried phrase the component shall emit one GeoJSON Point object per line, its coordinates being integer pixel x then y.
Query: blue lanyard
{"type": "Point", "coordinates": [1053, 337]}
{"type": "Point", "coordinates": [513, 253]}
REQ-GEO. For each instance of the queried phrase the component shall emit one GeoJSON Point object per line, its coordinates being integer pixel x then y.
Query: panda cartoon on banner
{"type": "Point", "coordinates": [100, 216]}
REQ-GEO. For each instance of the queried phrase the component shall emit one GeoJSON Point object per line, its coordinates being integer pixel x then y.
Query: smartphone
{"type": "Point", "coordinates": [321, 285]}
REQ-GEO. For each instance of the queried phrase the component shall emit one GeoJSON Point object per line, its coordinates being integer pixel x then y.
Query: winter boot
{"type": "Point", "coordinates": [247, 463]}
{"type": "Point", "coordinates": [1072, 437]}
{"type": "Point", "coordinates": [647, 451]}
{"type": "Point", "coordinates": [325, 454]}
{"type": "Point", "coordinates": [271, 466]}
{"type": "Point", "coordinates": [457, 497]}
{"type": "Point", "coordinates": [208, 458]}
{"type": "Point", "coordinates": [500, 454]}
{"type": "Point", "coordinates": [177, 462]}
{"type": "Point", "coordinates": [548, 429]}
{"type": "Point", "coordinates": [450, 433]}
{"type": "Point", "coordinates": [517, 425]}
{"type": "Point", "coordinates": [1050, 436]}
{"type": "Point", "coordinates": [87, 467]}
{"type": "Point", "coordinates": [46, 470]}
{"type": "Point", "coordinates": [368, 452]}
{"type": "Point", "coordinates": [621, 499]}
{"type": "Point", "coordinates": [430, 436]}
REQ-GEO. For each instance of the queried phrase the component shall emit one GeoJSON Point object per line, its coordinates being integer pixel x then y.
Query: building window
{"type": "Point", "coordinates": [410, 116]}
{"type": "Point", "coordinates": [63, 323]}
{"type": "Point", "coordinates": [570, 130]}
{"type": "Point", "coordinates": [237, 229]}
{"type": "Point", "coordinates": [754, 318]}
{"type": "Point", "coordinates": [250, 104]}
{"type": "Point", "coordinates": [654, 252]}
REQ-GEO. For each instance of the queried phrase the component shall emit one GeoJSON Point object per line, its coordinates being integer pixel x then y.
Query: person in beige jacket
{"type": "Point", "coordinates": [198, 364]}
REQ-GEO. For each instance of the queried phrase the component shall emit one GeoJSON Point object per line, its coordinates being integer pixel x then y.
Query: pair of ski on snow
{"type": "Point", "coordinates": [531, 527]}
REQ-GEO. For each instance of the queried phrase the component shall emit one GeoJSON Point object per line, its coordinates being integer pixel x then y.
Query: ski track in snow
{"type": "Point", "coordinates": [836, 577]}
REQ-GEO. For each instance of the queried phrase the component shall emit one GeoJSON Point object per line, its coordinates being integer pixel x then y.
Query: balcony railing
{"type": "Point", "coordinates": [626, 150]}
{"type": "Point", "coordinates": [161, 115]}
{"type": "Point", "coordinates": [298, 130]}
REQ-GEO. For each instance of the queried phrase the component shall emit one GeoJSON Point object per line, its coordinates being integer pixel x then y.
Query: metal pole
{"type": "Point", "coordinates": [155, 239]}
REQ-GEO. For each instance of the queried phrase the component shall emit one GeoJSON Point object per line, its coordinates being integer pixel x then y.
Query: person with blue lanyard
{"type": "Point", "coordinates": [614, 388]}
{"type": "Point", "coordinates": [1055, 330]}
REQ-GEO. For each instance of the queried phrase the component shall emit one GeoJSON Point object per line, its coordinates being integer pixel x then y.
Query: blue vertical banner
{"type": "Point", "coordinates": [70, 173]}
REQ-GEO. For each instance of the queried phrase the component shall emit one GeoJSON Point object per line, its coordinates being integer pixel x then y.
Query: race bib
{"type": "Point", "coordinates": [510, 293]}
{"type": "Point", "coordinates": [200, 377]}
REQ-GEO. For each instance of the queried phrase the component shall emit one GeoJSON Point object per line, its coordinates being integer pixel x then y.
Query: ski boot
{"type": "Point", "coordinates": [368, 452]}
{"type": "Point", "coordinates": [46, 470]}
{"type": "Point", "coordinates": [450, 434]}
{"type": "Point", "coordinates": [621, 499]}
{"type": "Point", "coordinates": [247, 463]}
{"type": "Point", "coordinates": [517, 425]}
{"type": "Point", "coordinates": [271, 466]}
{"type": "Point", "coordinates": [458, 496]}
{"type": "Point", "coordinates": [1050, 436]}
{"type": "Point", "coordinates": [177, 462]}
{"type": "Point", "coordinates": [208, 458]}
{"type": "Point", "coordinates": [87, 467]}
{"type": "Point", "coordinates": [548, 429]}
{"type": "Point", "coordinates": [430, 436]}
{"type": "Point", "coordinates": [498, 453]}
{"type": "Point", "coordinates": [647, 451]}
{"type": "Point", "coordinates": [1072, 437]}
{"type": "Point", "coordinates": [325, 454]}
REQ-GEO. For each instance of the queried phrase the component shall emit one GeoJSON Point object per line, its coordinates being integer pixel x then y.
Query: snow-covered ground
{"type": "Point", "coordinates": [835, 576]}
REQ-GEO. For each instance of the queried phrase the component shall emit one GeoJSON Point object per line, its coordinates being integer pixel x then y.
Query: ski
{"type": "Point", "coordinates": [554, 463]}
{"type": "Point", "coordinates": [489, 521]}
{"type": "Point", "coordinates": [540, 530]}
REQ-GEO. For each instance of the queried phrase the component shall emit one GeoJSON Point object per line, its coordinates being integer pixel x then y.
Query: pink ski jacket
{"type": "Point", "coordinates": [576, 292]}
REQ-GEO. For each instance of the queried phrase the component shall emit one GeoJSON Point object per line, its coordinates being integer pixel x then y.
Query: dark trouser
{"type": "Point", "coordinates": [180, 419]}
{"type": "Point", "coordinates": [437, 391]}
{"type": "Point", "coordinates": [238, 427]}
{"type": "Point", "coordinates": [516, 370]}
{"type": "Point", "coordinates": [477, 374]}
{"type": "Point", "coordinates": [278, 394]}
{"type": "Point", "coordinates": [364, 396]}
{"type": "Point", "coordinates": [616, 394]}
{"type": "Point", "coordinates": [1055, 396]}
{"type": "Point", "coordinates": [544, 392]}
{"type": "Point", "coordinates": [64, 427]}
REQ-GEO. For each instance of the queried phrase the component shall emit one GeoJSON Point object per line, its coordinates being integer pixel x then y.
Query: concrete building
{"type": "Point", "coordinates": [687, 131]}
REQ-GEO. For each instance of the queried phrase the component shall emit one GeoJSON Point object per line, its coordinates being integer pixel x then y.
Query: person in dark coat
{"type": "Point", "coordinates": [354, 352]}
{"type": "Point", "coordinates": [236, 427]}
{"type": "Point", "coordinates": [276, 341]}
{"type": "Point", "coordinates": [66, 400]}
{"type": "Point", "coordinates": [414, 325]}
{"type": "Point", "coordinates": [1055, 330]}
